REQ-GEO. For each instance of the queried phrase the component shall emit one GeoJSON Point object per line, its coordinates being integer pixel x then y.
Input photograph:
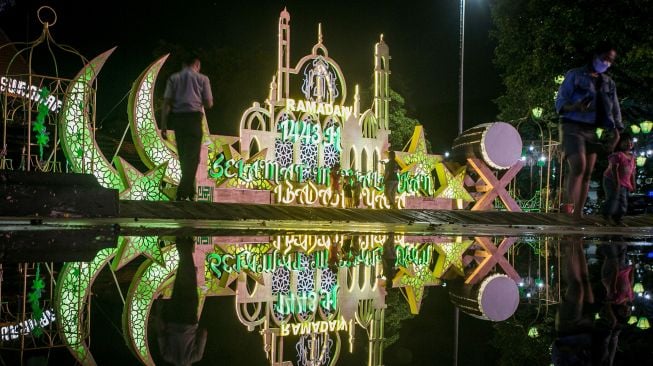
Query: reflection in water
{"type": "Point", "coordinates": [181, 340]}
{"type": "Point", "coordinates": [326, 299]}
{"type": "Point", "coordinates": [588, 324]}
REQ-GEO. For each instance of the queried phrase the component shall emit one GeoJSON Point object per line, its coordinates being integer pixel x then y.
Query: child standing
{"type": "Point", "coordinates": [618, 180]}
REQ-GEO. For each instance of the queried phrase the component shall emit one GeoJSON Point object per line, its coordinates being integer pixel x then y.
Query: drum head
{"type": "Point", "coordinates": [501, 145]}
{"type": "Point", "coordinates": [499, 298]}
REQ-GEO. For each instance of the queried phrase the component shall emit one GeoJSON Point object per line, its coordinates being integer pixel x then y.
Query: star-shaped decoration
{"type": "Point", "coordinates": [452, 185]}
{"type": "Point", "coordinates": [416, 158]}
{"type": "Point", "coordinates": [139, 186]}
{"type": "Point", "coordinates": [217, 141]}
{"type": "Point", "coordinates": [413, 280]}
{"type": "Point", "coordinates": [130, 247]}
{"type": "Point", "coordinates": [451, 255]}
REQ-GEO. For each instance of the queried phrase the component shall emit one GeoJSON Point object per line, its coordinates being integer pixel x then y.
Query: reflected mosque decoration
{"type": "Point", "coordinates": [315, 291]}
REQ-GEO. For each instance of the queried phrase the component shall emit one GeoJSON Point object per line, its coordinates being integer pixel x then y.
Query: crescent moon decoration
{"type": "Point", "coordinates": [148, 281]}
{"type": "Point", "coordinates": [78, 141]}
{"type": "Point", "coordinates": [71, 294]}
{"type": "Point", "coordinates": [151, 147]}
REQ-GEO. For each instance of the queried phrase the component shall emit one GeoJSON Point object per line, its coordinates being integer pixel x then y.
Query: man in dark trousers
{"type": "Point", "coordinates": [186, 96]}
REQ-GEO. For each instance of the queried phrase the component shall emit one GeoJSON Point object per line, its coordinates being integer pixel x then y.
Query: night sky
{"type": "Point", "coordinates": [423, 40]}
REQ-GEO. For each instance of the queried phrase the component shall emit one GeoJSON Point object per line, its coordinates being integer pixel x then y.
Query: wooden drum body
{"type": "Point", "coordinates": [498, 144]}
{"type": "Point", "coordinates": [496, 298]}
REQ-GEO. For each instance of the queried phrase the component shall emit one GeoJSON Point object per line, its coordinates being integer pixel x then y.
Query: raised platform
{"type": "Point", "coordinates": [204, 218]}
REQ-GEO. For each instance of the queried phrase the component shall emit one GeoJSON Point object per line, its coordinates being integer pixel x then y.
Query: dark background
{"type": "Point", "coordinates": [423, 39]}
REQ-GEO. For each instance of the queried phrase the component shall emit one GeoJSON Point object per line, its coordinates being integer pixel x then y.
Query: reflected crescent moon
{"type": "Point", "coordinates": [77, 139]}
{"type": "Point", "coordinates": [150, 145]}
{"type": "Point", "coordinates": [71, 295]}
{"type": "Point", "coordinates": [148, 281]}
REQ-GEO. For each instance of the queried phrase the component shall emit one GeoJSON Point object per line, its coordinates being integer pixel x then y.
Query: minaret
{"type": "Point", "coordinates": [357, 102]}
{"type": "Point", "coordinates": [283, 54]}
{"type": "Point", "coordinates": [381, 83]}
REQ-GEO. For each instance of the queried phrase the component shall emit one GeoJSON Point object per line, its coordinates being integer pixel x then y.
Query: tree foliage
{"type": "Point", "coordinates": [396, 312]}
{"type": "Point", "coordinates": [538, 40]}
{"type": "Point", "coordinates": [401, 125]}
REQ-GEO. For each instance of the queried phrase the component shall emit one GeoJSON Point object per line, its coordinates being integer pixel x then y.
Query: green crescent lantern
{"type": "Point", "coordinates": [643, 323]}
{"type": "Point", "coordinates": [646, 126]}
{"type": "Point", "coordinates": [599, 132]}
{"type": "Point", "coordinates": [559, 79]}
{"type": "Point", "coordinates": [641, 161]}
{"type": "Point", "coordinates": [537, 112]}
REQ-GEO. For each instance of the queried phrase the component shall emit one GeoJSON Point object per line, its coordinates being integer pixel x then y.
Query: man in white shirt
{"type": "Point", "coordinates": [186, 96]}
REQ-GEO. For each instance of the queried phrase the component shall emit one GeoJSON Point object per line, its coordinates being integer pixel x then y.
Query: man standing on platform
{"type": "Point", "coordinates": [186, 96]}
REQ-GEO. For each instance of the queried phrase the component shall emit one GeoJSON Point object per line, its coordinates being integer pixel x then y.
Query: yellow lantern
{"type": "Point", "coordinates": [646, 126]}
{"type": "Point", "coordinates": [640, 161]}
{"type": "Point", "coordinates": [599, 132]}
{"type": "Point", "coordinates": [533, 332]}
{"type": "Point", "coordinates": [635, 129]}
{"type": "Point", "coordinates": [643, 323]}
{"type": "Point", "coordinates": [537, 112]}
{"type": "Point", "coordinates": [638, 288]}
{"type": "Point", "coordinates": [559, 79]}
{"type": "Point", "coordinates": [632, 320]}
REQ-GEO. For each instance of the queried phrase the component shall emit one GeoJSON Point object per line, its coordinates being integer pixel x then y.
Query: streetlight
{"type": "Point", "coordinates": [462, 58]}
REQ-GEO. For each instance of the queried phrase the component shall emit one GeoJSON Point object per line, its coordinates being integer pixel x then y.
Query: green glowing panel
{"type": "Point", "coordinates": [150, 145]}
{"type": "Point", "coordinates": [77, 140]}
{"type": "Point", "coordinates": [233, 249]}
{"type": "Point", "coordinates": [131, 247]}
{"type": "Point", "coordinates": [416, 157]}
{"type": "Point", "coordinates": [148, 282]}
{"type": "Point", "coordinates": [138, 186]}
{"type": "Point", "coordinates": [452, 185]}
{"type": "Point", "coordinates": [451, 255]}
{"type": "Point", "coordinates": [414, 282]}
{"type": "Point", "coordinates": [71, 296]}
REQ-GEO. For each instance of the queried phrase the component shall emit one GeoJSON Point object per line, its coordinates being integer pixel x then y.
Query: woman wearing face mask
{"type": "Point", "coordinates": [586, 100]}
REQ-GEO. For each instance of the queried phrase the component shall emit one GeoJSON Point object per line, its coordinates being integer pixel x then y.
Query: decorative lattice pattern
{"type": "Point", "coordinates": [77, 140]}
{"type": "Point", "coordinates": [283, 153]}
{"type": "Point", "coordinates": [141, 187]}
{"type": "Point", "coordinates": [308, 157]}
{"type": "Point", "coordinates": [328, 280]}
{"type": "Point", "coordinates": [146, 135]}
{"type": "Point", "coordinates": [281, 281]}
{"type": "Point", "coordinates": [147, 283]}
{"type": "Point", "coordinates": [331, 154]}
{"type": "Point", "coordinates": [130, 247]}
{"type": "Point", "coordinates": [306, 277]}
{"type": "Point", "coordinates": [73, 288]}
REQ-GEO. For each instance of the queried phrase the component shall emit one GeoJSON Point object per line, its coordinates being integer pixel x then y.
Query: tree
{"type": "Point", "coordinates": [538, 40]}
{"type": "Point", "coordinates": [401, 125]}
